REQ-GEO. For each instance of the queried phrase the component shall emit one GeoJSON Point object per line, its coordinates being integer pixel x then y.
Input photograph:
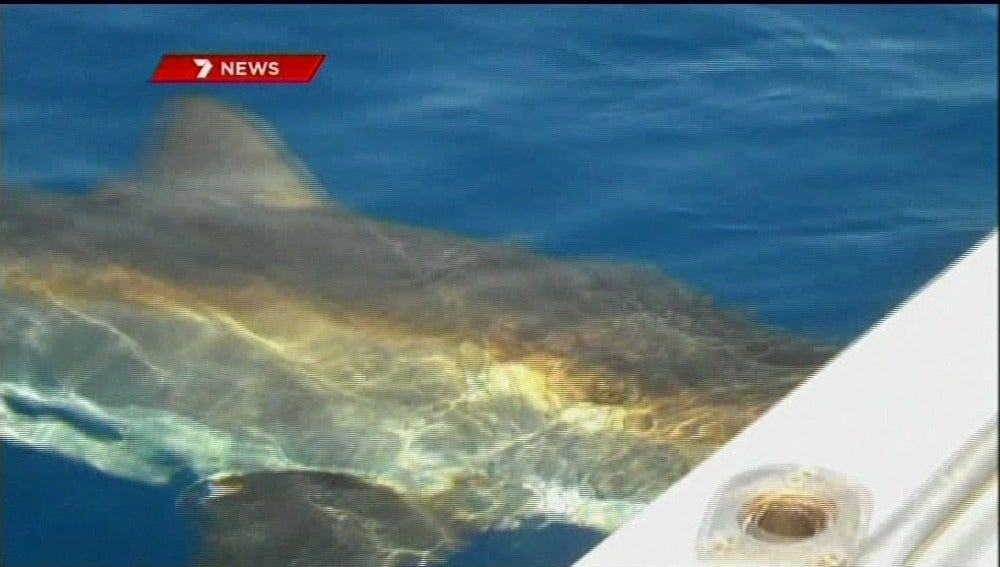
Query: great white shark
{"type": "Point", "coordinates": [352, 391]}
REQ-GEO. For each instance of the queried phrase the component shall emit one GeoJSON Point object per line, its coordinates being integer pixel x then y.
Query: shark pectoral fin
{"type": "Point", "coordinates": [204, 149]}
{"type": "Point", "coordinates": [312, 519]}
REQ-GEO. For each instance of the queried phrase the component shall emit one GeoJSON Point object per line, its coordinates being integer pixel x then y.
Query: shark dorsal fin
{"type": "Point", "coordinates": [205, 149]}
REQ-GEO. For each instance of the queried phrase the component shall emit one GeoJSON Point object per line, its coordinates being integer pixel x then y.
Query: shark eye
{"type": "Point", "coordinates": [224, 486]}
{"type": "Point", "coordinates": [210, 489]}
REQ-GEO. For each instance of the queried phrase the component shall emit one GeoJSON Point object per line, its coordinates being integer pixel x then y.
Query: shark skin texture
{"type": "Point", "coordinates": [352, 391]}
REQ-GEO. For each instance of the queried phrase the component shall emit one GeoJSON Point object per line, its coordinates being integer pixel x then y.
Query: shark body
{"type": "Point", "coordinates": [352, 391]}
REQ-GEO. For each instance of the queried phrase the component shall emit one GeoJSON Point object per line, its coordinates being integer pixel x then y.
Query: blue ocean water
{"type": "Point", "coordinates": [814, 165]}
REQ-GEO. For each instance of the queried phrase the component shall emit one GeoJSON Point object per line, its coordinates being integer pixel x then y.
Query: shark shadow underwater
{"type": "Point", "coordinates": [349, 391]}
